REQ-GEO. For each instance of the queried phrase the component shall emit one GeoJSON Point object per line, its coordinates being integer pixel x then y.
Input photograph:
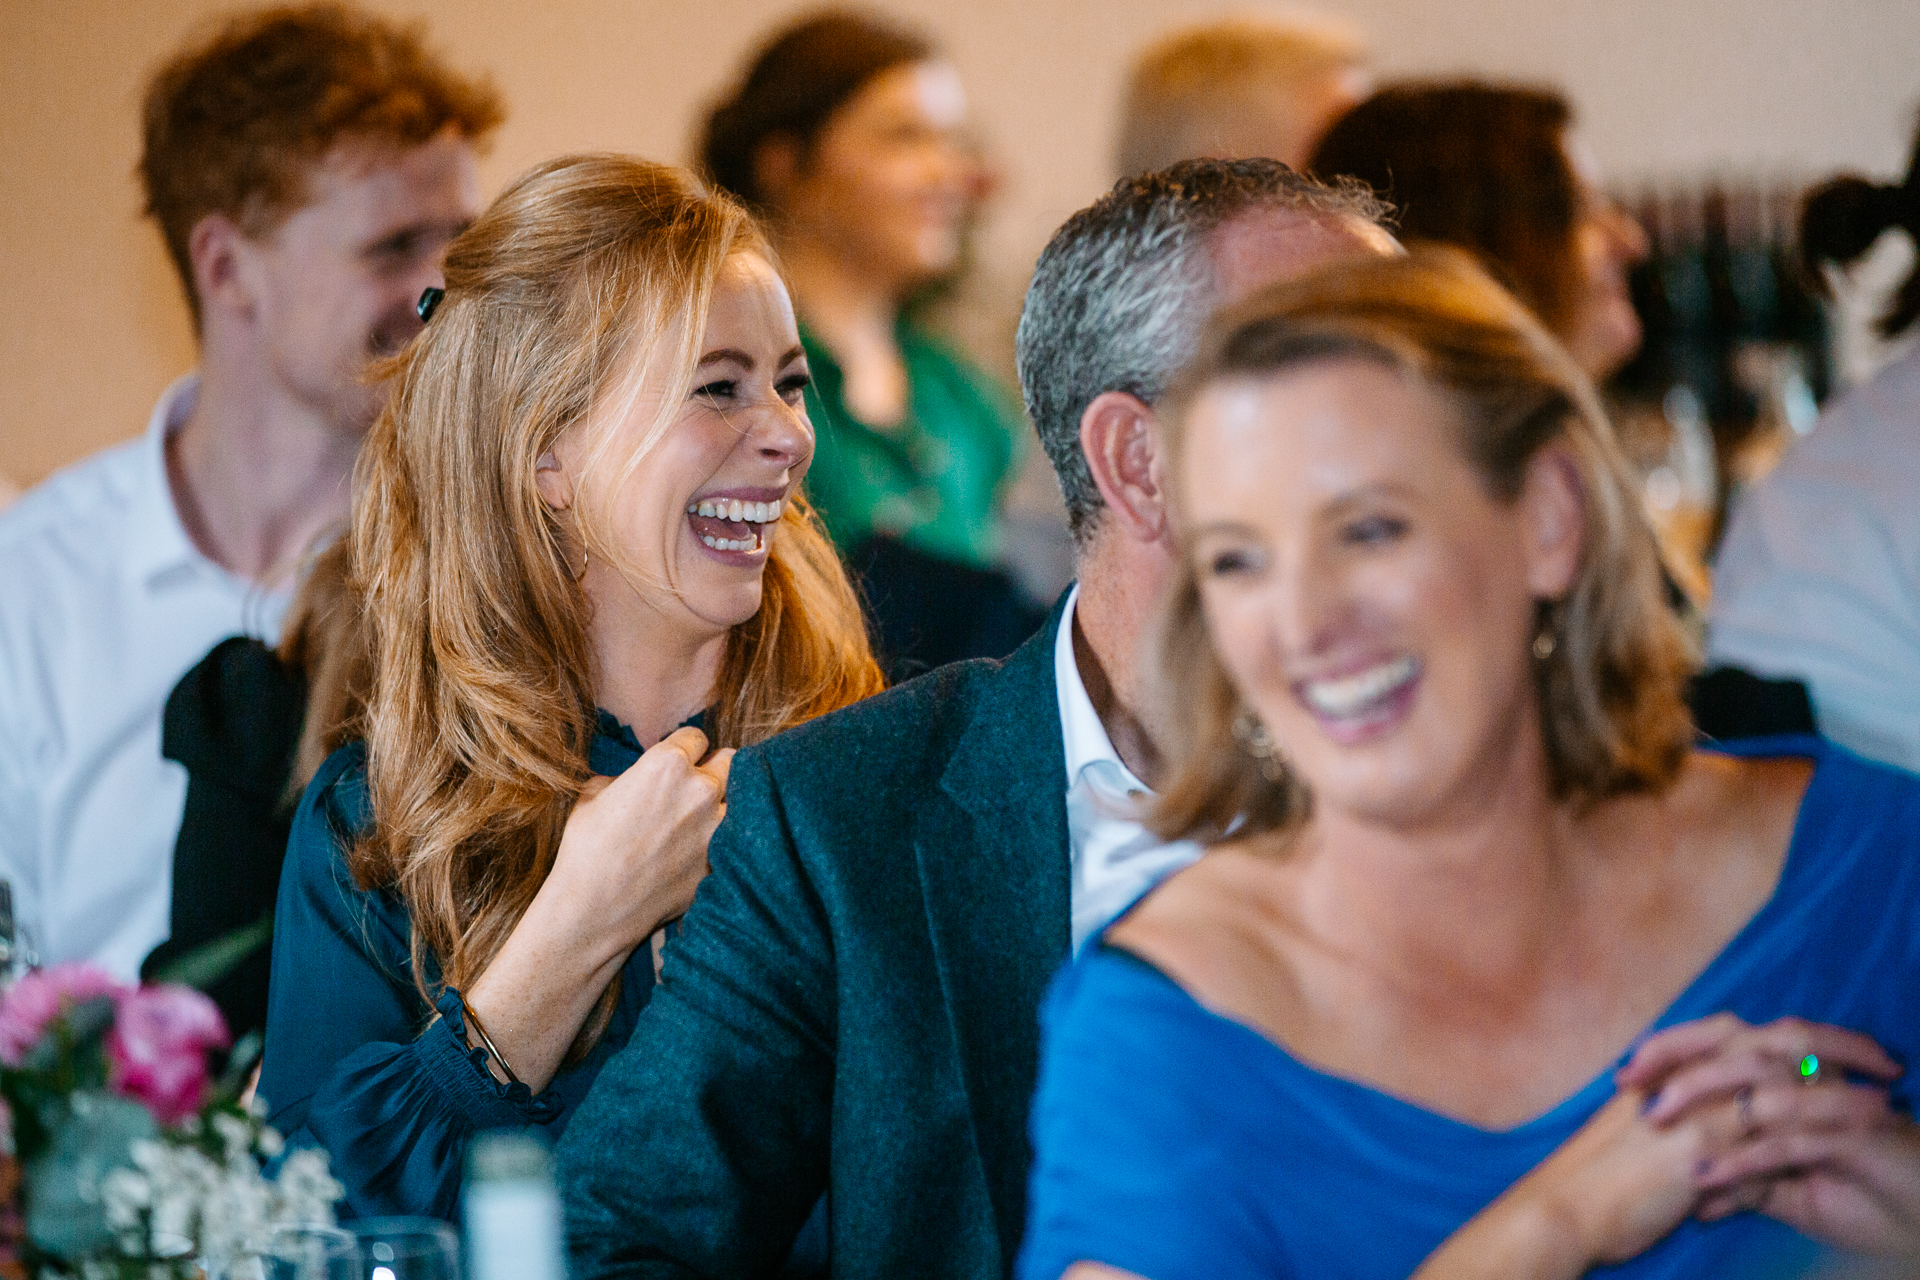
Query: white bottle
{"type": "Point", "coordinates": [512, 1210]}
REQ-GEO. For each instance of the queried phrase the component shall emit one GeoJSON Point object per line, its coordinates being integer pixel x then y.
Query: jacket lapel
{"type": "Point", "coordinates": [993, 856]}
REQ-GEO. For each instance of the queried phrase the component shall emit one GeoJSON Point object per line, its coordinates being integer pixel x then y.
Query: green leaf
{"type": "Point", "coordinates": [64, 1213]}
{"type": "Point", "coordinates": [80, 1026]}
{"type": "Point", "coordinates": [209, 962]}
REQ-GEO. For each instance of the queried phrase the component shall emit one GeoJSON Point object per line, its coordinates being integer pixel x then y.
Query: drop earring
{"type": "Point", "coordinates": [1547, 638]}
{"type": "Point", "coordinates": [1257, 741]}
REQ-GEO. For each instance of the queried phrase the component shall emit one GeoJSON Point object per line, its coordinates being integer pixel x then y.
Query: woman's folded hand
{"type": "Point", "coordinates": [1817, 1144]}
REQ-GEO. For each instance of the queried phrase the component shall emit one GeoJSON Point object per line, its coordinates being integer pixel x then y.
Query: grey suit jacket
{"type": "Point", "coordinates": [851, 1006]}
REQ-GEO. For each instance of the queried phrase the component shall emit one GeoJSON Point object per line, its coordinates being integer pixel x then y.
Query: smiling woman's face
{"type": "Point", "coordinates": [885, 184]}
{"type": "Point", "coordinates": [695, 520]}
{"type": "Point", "coordinates": [1368, 597]}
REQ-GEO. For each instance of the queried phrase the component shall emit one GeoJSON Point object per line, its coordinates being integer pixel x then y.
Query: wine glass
{"type": "Point", "coordinates": [407, 1249]}
{"type": "Point", "coordinates": [305, 1252]}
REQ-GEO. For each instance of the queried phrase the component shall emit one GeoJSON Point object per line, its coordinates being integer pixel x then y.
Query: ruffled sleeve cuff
{"type": "Point", "coordinates": [473, 1090]}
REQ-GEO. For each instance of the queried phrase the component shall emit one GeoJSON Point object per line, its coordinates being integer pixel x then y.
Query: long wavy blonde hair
{"type": "Point", "coordinates": [589, 275]}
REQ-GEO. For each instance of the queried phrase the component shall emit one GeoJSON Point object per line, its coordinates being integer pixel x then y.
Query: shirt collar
{"type": "Point", "coordinates": [157, 541]}
{"type": "Point", "coordinates": [1086, 740]}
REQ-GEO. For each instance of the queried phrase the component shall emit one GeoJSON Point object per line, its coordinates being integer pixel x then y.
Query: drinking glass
{"type": "Point", "coordinates": [407, 1249]}
{"type": "Point", "coordinates": [309, 1252]}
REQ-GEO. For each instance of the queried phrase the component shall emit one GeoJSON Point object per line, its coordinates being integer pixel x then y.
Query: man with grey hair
{"type": "Point", "coordinates": [851, 1006]}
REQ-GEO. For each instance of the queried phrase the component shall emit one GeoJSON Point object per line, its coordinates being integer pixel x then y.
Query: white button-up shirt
{"type": "Point", "coordinates": [1819, 576]}
{"type": "Point", "coordinates": [1115, 858]}
{"type": "Point", "coordinates": [105, 604]}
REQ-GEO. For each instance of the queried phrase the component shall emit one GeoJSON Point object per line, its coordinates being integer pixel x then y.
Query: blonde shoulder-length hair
{"type": "Point", "coordinates": [1610, 693]}
{"type": "Point", "coordinates": [589, 275]}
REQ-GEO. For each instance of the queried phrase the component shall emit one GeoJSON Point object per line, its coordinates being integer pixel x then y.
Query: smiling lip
{"type": "Point", "coordinates": [1361, 702]}
{"type": "Point", "coordinates": [731, 524]}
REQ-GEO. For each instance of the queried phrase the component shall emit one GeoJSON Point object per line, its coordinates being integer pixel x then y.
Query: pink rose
{"type": "Point", "coordinates": [158, 1049]}
{"type": "Point", "coordinates": [39, 997]}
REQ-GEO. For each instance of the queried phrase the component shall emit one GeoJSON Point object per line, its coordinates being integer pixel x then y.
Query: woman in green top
{"type": "Point", "coordinates": [846, 135]}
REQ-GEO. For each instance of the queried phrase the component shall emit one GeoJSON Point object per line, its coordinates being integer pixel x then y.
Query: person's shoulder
{"type": "Point", "coordinates": [62, 548]}
{"type": "Point", "coordinates": [76, 514]}
{"type": "Point", "coordinates": [1115, 1024]}
{"type": "Point", "coordinates": [335, 810]}
{"type": "Point", "coordinates": [1864, 442]}
{"type": "Point", "coordinates": [1871, 789]}
{"type": "Point", "coordinates": [917, 721]}
{"type": "Point", "coordinates": [962, 374]}
{"type": "Point", "coordinates": [1880, 411]}
{"type": "Point", "coordinates": [1857, 820]}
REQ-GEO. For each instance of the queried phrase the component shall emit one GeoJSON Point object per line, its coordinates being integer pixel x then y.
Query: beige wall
{"type": "Point", "coordinates": [91, 329]}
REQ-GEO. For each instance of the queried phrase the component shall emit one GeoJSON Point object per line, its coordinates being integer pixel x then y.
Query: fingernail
{"type": "Point", "coordinates": [1702, 1167]}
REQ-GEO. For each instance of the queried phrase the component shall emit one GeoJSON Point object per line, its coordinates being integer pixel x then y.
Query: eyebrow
{"type": "Point", "coordinates": [744, 360]}
{"type": "Point", "coordinates": [403, 237]}
{"type": "Point", "coordinates": [1240, 527]}
{"type": "Point", "coordinates": [1334, 508]}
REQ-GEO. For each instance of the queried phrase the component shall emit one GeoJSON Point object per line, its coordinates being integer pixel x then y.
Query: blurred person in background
{"type": "Point", "coordinates": [307, 168]}
{"type": "Point", "coordinates": [1818, 578]}
{"type": "Point", "coordinates": [1245, 86]}
{"type": "Point", "coordinates": [1499, 170]}
{"type": "Point", "coordinates": [847, 135]}
{"type": "Point", "coordinates": [583, 556]}
{"type": "Point", "coordinates": [1487, 971]}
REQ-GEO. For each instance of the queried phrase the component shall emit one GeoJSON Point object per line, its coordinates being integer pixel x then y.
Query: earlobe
{"type": "Point", "coordinates": [1120, 439]}
{"type": "Point", "coordinates": [1554, 509]}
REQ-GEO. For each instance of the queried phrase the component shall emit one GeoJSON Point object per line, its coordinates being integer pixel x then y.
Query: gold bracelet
{"type": "Point", "coordinates": [487, 1040]}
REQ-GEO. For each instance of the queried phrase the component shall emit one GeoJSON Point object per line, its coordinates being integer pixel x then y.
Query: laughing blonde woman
{"type": "Point", "coordinates": [585, 556]}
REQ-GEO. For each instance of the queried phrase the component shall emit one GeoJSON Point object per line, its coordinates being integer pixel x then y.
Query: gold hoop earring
{"type": "Point", "coordinates": [1257, 741]}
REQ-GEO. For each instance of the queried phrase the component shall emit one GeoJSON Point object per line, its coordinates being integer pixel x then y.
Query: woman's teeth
{"type": "Point", "coordinates": [1341, 698]}
{"type": "Point", "coordinates": [736, 510]}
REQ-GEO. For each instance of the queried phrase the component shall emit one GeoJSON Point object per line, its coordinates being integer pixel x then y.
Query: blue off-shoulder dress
{"type": "Point", "coordinates": [1176, 1143]}
{"type": "Point", "coordinates": [355, 1060]}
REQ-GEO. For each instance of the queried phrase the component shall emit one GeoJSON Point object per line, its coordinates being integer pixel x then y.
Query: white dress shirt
{"type": "Point", "coordinates": [1819, 576]}
{"type": "Point", "coordinates": [104, 604]}
{"type": "Point", "coordinates": [1115, 858]}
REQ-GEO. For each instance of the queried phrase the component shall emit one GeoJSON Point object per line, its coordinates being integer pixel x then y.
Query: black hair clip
{"type": "Point", "coordinates": [429, 302]}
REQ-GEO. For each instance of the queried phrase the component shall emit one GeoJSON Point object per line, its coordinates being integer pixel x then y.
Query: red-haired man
{"type": "Point", "coordinates": [307, 167]}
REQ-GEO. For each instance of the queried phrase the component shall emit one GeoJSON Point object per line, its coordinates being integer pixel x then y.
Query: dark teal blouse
{"type": "Point", "coordinates": [356, 1062]}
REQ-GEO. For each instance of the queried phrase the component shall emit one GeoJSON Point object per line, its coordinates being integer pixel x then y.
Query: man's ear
{"type": "Point", "coordinates": [1120, 438]}
{"type": "Point", "coordinates": [219, 253]}
{"type": "Point", "coordinates": [776, 167]}
{"type": "Point", "coordinates": [554, 485]}
{"type": "Point", "coordinates": [1553, 512]}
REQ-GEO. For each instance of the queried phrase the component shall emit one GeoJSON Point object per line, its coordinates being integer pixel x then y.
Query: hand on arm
{"type": "Point", "coordinates": [1608, 1193]}
{"type": "Point", "coordinates": [1821, 1151]}
{"type": "Point", "coordinates": [634, 851]}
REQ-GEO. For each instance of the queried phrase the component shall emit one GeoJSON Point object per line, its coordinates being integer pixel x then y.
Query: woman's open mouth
{"type": "Point", "coordinates": [1355, 706]}
{"type": "Point", "coordinates": [733, 527]}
